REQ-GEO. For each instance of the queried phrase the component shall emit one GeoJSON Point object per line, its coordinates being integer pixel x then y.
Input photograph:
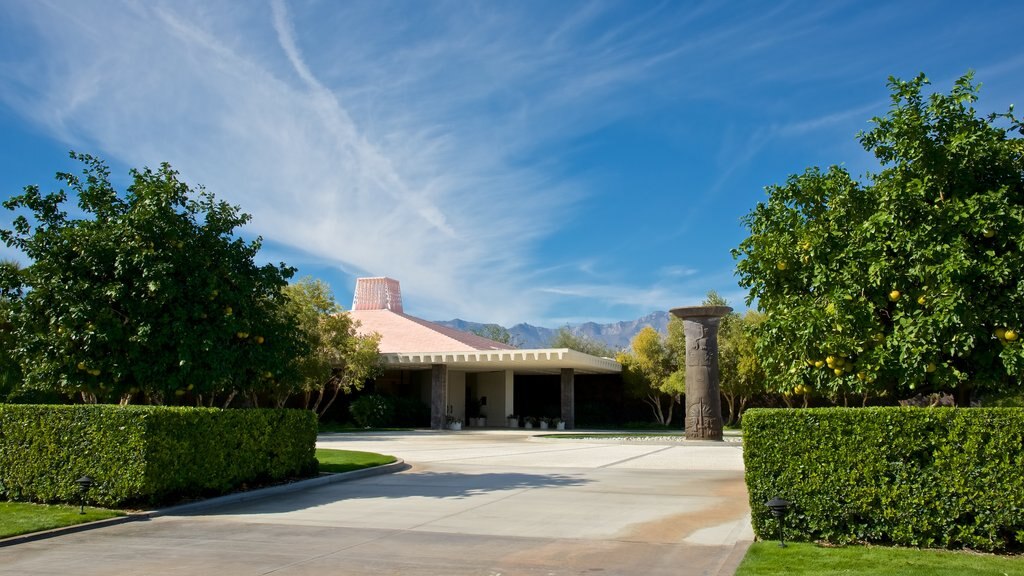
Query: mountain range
{"type": "Point", "coordinates": [616, 335]}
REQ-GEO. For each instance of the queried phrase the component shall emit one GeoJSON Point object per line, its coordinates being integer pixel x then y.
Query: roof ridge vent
{"type": "Point", "coordinates": [380, 293]}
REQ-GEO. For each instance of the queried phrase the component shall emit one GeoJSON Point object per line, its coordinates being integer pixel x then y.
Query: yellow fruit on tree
{"type": "Point", "coordinates": [1001, 333]}
{"type": "Point", "coordinates": [838, 371]}
{"type": "Point", "coordinates": [921, 300]}
{"type": "Point", "coordinates": [930, 367]}
{"type": "Point", "coordinates": [780, 265]}
{"type": "Point", "coordinates": [81, 365]}
{"type": "Point", "coordinates": [1010, 335]}
{"type": "Point", "coordinates": [818, 363]}
{"type": "Point", "coordinates": [228, 311]}
{"type": "Point", "coordinates": [894, 295]}
{"type": "Point", "coordinates": [988, 232]}
{"type": "Point", "coordinates": [259, 339]}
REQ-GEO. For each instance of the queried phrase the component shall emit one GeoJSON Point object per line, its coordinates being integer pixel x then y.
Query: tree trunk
{"type": "Point", "coordinates": [231, 397]}
{"type": "Point", "coordinates": [334, 396]}
{"type": "Point", "coordinates": [787, 400]}
{"type": "Point", "coordinates": [730, 402]}
{"type": "Point", "coordinates": [126, 399]}
{"type": "Point", "coordinates": [743, 405]}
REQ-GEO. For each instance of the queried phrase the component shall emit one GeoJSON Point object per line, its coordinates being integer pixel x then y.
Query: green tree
{"type": "Point", "coordinates": [498, 334]}
{"type": "Point", "coordinates": [145, 293]}
{"type": "Point", "coordinates": [339, 360]}
{"type": "Point", "coordinates": [740, 374]}
{"type": "Point", "coordinates": [908, 280]}
{"type": "Point", "coordinates": [564, 338]}
{"type": "Point", "coordinates": [650, 373]}
{"type": "Point", "coordinates": [10, 370]}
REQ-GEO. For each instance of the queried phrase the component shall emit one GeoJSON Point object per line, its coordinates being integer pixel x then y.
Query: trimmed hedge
{"type": "Point", "coordinates": [147, 454]}
{"type": "Point", "coordinates": [928, 477]}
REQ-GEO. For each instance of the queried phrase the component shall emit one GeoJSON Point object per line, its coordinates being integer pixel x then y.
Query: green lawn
{"type": "Point", "coordinates": [805, 559]}
{"type": "Point", "coordinates": [348, 460]}
{"type": "Point", "coordinates": [22, 517]}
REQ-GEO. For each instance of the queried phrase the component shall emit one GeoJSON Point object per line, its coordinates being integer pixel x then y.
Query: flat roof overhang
{"type": "Point", "coordinates": [538, 361]}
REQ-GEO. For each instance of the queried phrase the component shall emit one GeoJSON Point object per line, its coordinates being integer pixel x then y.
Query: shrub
{"type": "Point", "coordinates": [147, 454]}
{"type": "Point", "coordinates": [372, 411]}
{"type": "Point", "coordinates": [924, 477]}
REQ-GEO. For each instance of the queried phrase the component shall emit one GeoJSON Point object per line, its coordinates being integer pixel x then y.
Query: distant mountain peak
{"type": "Point", "coordinates": [617, 335]}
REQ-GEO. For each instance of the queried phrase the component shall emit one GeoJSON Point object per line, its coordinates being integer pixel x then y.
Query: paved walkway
{"type": "Point", "coordinates": [489, 503]}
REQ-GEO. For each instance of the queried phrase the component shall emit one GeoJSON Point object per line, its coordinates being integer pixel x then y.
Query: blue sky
{"type": "Point", "coordinates": [548, 162]}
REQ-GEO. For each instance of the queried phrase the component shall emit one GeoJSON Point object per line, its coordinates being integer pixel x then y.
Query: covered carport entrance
{"type": "Point", "coordinates": [501, 381]}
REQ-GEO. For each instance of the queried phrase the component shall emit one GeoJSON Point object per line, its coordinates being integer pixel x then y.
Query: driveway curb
{"type": "Point", "coordinates": [397, 466]}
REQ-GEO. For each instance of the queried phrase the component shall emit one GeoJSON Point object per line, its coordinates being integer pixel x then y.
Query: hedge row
{"type": "Point", "coordinates": [147, 454]}
{"type": "Point", "coordinates": [928, 477]}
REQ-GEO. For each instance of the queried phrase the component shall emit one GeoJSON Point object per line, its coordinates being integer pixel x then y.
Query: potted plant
{"type": "Point", "coordinates": [513, 421]}
{"type": "Point", "coordinates": [529, 421]}
{"type": "Point", "coordinates": [559, 423]}
{"type": "Point", "coordinates": [453, 422]}
{"type": "Point", "coordinates": [543, 423]}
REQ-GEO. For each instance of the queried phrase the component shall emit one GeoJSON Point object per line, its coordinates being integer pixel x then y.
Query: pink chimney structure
{"type": "Point", "coordinates": [379, 293]}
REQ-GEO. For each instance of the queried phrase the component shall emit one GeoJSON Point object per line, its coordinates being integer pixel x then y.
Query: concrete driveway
{"type": "Point", "coordinates": [490, 503]}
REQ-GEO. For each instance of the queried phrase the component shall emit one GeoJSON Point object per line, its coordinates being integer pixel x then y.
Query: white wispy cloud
{"type": "Point", "coordinates": [421, 141]}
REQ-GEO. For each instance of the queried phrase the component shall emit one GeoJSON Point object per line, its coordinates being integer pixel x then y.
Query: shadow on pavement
{"type": "Point", "coordinates": [415, 484]}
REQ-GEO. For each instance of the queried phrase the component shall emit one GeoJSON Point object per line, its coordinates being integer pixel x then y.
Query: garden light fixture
{"type": "Point", "coordinates": [779, 508]}
{"type": "Point", "coordinates": [84, 483]}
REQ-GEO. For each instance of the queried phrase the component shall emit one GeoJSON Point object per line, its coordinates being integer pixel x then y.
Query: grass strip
{"type": "Point", "coordinates": [18, 518]}
{"type": "Point", "coordinates": [808, 559]}
{"type": "Point", "coordinates": [349, 460]}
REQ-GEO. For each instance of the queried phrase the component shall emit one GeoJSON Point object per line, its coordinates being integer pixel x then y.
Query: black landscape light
{"type": "Point", "coordinates": [779, 508]}
{"type": "Point", "coordinates": [84, 483]}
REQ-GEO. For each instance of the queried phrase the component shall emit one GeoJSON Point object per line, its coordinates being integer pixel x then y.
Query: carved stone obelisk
{"type": "Point", "coordinates": [703, 403]}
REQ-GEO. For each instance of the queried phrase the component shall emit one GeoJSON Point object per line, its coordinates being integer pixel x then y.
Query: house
{"type": "Point", "coordinates": [450, 369]}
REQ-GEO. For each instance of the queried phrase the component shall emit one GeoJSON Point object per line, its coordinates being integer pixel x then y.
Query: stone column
{"type": "Point", "coordinates": [569, 398]}
{"type": "Point", "coordinates": [438, 395]}
{"type": "Point", "coordinates": [703, 401]}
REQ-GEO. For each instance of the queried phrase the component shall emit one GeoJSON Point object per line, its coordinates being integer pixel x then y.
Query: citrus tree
{"type": "Point", "coordinates": [146, 295]}
{"type": "Point", "coordinates": [909, 279]}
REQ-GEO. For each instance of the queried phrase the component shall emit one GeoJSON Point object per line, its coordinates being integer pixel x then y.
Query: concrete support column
{"type": "Point", "coordinates": [703, 414]}
{"type": "Point", "coordinates": [438, 395]}
{"type": "Point", "coordinates": [569, 398]}
{"type": "Point", "coordinates": [510, 394]}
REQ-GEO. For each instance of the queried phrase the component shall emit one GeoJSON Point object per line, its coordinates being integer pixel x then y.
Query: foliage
{"type": "Point", "coordinates": [805, 559]}
{"type": "Point", "coordinates": [372, 411]}
{"type": "Point", "coordinates": [24, 518]}
{"type": "Point", "coordinates": [149, 292]}
{"type": "Point", "coordinates": [928, 477]}
{"type": "Point", "coordinates": [147, 454]}
{"type": "Point", "coordinates": [10, 370]}
{"type": "Point", "coordinates": [499, 334]}
{"type": "Point", "coordinates": [650, 373]}
{"type": "Point", "coordinates": [339, 359]}
{"type": "Point", "coordinates": [564, 338]}
{"type": "Point", "coordinates": [908, 280]}
{"type": "Point", "coordinates": [336, 461]}
{"type": "Point", "coordinates": [740, 374]}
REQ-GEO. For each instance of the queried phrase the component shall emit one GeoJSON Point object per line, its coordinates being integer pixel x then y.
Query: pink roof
{"type": "Point", "coordinates": [401, 333]}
